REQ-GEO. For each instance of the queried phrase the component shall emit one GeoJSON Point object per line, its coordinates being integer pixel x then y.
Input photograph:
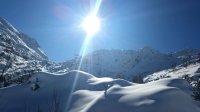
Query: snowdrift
{"type": "Point", "coordinates": [78, 91]}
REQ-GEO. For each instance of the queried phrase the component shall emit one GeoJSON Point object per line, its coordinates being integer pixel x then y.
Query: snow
{"type": "Point", "coordinates": [89, 95]}
{"type": "Point", "coordinates": [124, 63]}
{"type": "Point", "coordinates": [101, 63]}
{"type": "Point", "coordinates": [187, 52]}
{"type": "Point", "coordinates": [26, 54]}
{"type": "Point", "coordinates": [22, 44]}
{"type": "Point", "coordinates": [8, 25]}
{"type": "Point", "coordinates": [160, 96]}
{"type": "Point", "coordinates": [32, 43]}
{"type": "Point", "coordinates": [178, 72]}
{"type": "Point", "coordinates": [78, 91]}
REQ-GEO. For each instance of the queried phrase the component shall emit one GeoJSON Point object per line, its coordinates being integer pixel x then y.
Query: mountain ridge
{"type": "Point", "coordinates": [18, 48]}
{"type": "Point", "coordinates": [127, 63]}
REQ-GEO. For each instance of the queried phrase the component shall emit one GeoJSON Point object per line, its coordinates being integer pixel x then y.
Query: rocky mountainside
{"type": "Point", "coordinates": [129, 64]}
{"type": "Point", "coordinates": [24, 45]}
{"type": "Point", "coordinates": [187, 53]}
{"type": "Point", "coordinates": [20, 55]}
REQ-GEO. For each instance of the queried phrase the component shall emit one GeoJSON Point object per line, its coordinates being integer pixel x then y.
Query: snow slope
{"type": "Point", "coordinates": [19, 54]}
{"type": "Point", "coordinates": [162, 96]}
{"type": "Point", "coordinates": [32, 43]}
{"type": "Point", "coordinates": [124, 63]}
{"type": "Point", "coordinates": [127, 64]}
{"type": "Point", "coordinates": [192, 70]}
{"type": "Point", "coordinates": [24, 45]}
{"type": "Point", "coordinates": [25, 51]}
{"type": "Point", "coordinates": [58, 92]}
{"type": "Point", "coordinates": [187, 52]}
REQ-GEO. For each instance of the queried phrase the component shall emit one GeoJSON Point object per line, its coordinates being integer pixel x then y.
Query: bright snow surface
{"type": "Point", "coordinates": [59, 92]}
{"type": "Point", "coordinates": [193, 70]}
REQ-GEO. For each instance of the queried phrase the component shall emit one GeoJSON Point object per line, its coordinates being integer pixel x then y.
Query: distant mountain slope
{"type": "Point", "coordinates": [129, 63]}
{"type": "Point", "coordinates": [33, 44]}
{"type": "Point", "coordinates": [192, 70]}
{"type": "Point", "coordinates": [187, 52]}
{"type": "Point", "coordinates": [124, 63]}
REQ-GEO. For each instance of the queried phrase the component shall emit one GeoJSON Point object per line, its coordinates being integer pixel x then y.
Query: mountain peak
{"type": "Point", "coordinates": [5, 25]}
{"type": "Point", "coordinates": [23, 44]}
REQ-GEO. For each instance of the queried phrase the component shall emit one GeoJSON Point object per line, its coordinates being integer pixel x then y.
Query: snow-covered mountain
{"type": "Point", "coordinates": [128, 63]}
{"type": "Point", "coordinates": [32, 43]}
{"type": "Point", "coordinates": [24, 45]}
{"type": "Point", "coordinates": [187, 52]}
{"type": "Point", "coordinates": [19, 54]}
{"type": "Point", "coordinates": [190, 70]}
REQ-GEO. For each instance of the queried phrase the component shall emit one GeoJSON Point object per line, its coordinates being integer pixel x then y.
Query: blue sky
{"type": "Point", "coordinates": [166, 25]}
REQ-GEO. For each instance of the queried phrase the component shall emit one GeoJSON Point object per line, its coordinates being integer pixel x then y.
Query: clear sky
{"type": "Point", "coordinates": [166, 25]}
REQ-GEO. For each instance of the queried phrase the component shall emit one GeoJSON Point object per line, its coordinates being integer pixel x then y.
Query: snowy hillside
{"type": "Point", "coordinates": [188, 52]}
{"type": "Point", "coordinates": [20, 55]}
{"type": "Point", "coordinates": [24, 45]}
{"type": "Point", "coordinates": [82, 92]}
{"type": "Point", "coordinates": [192, 70]}
{"type": "Point", "coordinates": [32, 43]}
{"type": "Point", "coordinates": [128, 63]}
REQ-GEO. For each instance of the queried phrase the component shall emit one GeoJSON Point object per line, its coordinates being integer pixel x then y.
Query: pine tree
{"type": "Point", "coordinates": [199, 57]}
{"type": "Point", "coordinates": [8, 50]}
{"type": "Point", "coordinates": [137, 79]}
{"type": "Point", "coordinates": [196, 91]}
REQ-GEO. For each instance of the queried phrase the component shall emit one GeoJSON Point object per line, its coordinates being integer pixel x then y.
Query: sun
{"type": "Point", "coordinates": [91, 24]}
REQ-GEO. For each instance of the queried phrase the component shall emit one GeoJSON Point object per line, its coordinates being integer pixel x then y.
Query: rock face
{"type": "Point", "coordinates": [32, 43]}
{"type": "Point", "coordinates": [125, 63]}
{"type": "Point", "coordinates": [19, 54]}
{"type": "Point", "coordinates": [128, 64]}
{"type": "Point", "coordinates": [21, 43]}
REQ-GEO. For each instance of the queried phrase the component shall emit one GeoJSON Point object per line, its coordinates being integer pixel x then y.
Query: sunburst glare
{"type": "Point", "coordinates": [91, 25]}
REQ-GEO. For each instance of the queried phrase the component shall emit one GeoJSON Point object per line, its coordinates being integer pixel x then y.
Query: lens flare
{"type": "Point", "coordinates": [91, 25]}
